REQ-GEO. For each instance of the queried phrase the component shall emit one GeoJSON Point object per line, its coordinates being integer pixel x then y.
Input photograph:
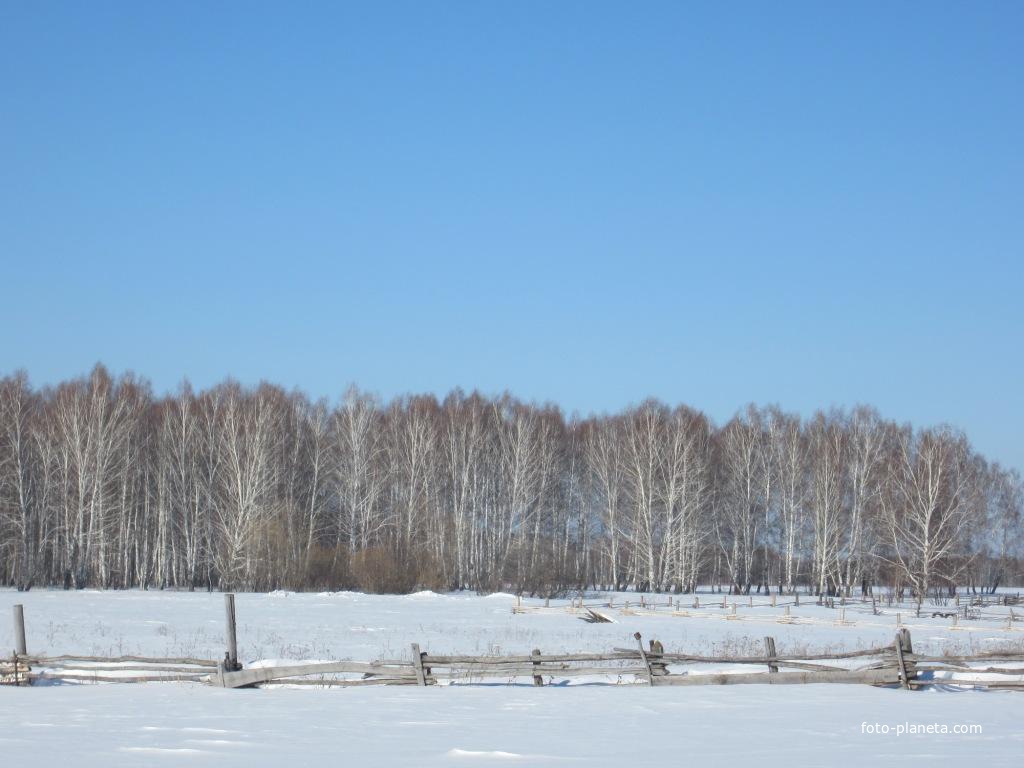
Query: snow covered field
{"type": "Point", "coordinates": [180, 723]}
{"type": "Point", "coordinates": [350, 625]}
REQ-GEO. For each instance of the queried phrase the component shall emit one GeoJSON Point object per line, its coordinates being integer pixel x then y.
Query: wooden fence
{"type": "Point", "coordinates": [891, 665]}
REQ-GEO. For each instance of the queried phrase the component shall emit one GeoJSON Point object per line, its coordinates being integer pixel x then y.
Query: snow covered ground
{"type": "Point", "coordinates": [185, 724]}
{"type": "Point", "coordinates": [181, 723]}
{"type": "Point", "coordinates": [349, 625]}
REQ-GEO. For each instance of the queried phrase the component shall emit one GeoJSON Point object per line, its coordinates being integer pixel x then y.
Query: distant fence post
{"type": "Point", "coordinates": [538, 678]}
{"type": "Point", "coordinates": [231, 654]}
{"type": "Point", "coordinates": [19, 630]}
{"type": "Point", "coordinates": [769, 651]}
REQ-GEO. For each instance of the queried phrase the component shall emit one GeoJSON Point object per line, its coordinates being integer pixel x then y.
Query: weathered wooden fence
{"type": "Point", "coordinates": [891, 665]}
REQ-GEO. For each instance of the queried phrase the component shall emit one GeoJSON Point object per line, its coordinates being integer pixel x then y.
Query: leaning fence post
{"type": "Point", "coordinates": [417, 663]}
{"type": "Point", "coordinates": [538, 678]}
{"type": "Point", "coordinates": [19, 630]}
{"type": "Point", "coordinates": [231, 655]}
{"type": "Point", "coordinates": [643, 657]}
{"type": "Point", "coordinates": [769, 651]}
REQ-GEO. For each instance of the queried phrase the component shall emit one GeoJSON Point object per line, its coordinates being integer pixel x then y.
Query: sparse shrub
{"type": "Point", "coordinates": [327, 568]}
{"type": "Point", "coordinates": [429, 574]}
{"type": "Point", "coordinates": [377, 570]}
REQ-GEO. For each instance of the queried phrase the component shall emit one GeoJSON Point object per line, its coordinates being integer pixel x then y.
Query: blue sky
{"type": "Point", "coordinates": [796, 203]}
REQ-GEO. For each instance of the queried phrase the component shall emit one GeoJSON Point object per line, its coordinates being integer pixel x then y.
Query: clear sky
{"type": "Point", "coordinates": [806, 204]}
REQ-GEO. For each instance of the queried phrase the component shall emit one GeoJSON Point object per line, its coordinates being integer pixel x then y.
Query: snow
{"type": "Point", "coordinates": [192, 724]}
{"type": "Point", "coordinates": [180, 724]}
{"type": "Point", "coordinates": [351, 625]}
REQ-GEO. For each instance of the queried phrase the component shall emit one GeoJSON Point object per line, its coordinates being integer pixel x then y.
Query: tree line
{"type": "Point", "coordinates": [104, 484]}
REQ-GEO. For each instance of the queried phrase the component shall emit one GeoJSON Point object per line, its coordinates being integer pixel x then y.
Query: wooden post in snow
{"type": "Point", "coordinates": [769, 651]}
{"type": "Point", "coordinates": [417, 664]}
{"type": "Point", "coordinates": [231, 654]}
{"type": "Point", "coordinates": [19, 630]}
{"type": "Point", "coordinates": [904, 649]}
{"type": "Point", "coordinates": [655, 653]}
{"type": "Point", "coordinates": [908, 650]}
{"type": "Point", "coordinates": [643, 657]}
{"type": "Point", "coordinates": [538, 679]}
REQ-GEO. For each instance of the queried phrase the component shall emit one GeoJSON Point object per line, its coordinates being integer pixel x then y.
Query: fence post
{"type": "Point", "coordinates": [19, 630]}
{"type": "Point", "coordinates": [655, 653]}
{"type": "Point", "coordinates": [538, 679]}
{"type": "Point", "coordinates": [904, 648]}
{"type": "Point", "coordinates": [769, 651]}
{"type": "Point", "coordinates": [417, 663]}
{"type": "Point", "coordinates": [231, 654]}
{"type": "Point", "coordinates": [643, 657]}
{"type": "Point", "coordinates": [908, 652]}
